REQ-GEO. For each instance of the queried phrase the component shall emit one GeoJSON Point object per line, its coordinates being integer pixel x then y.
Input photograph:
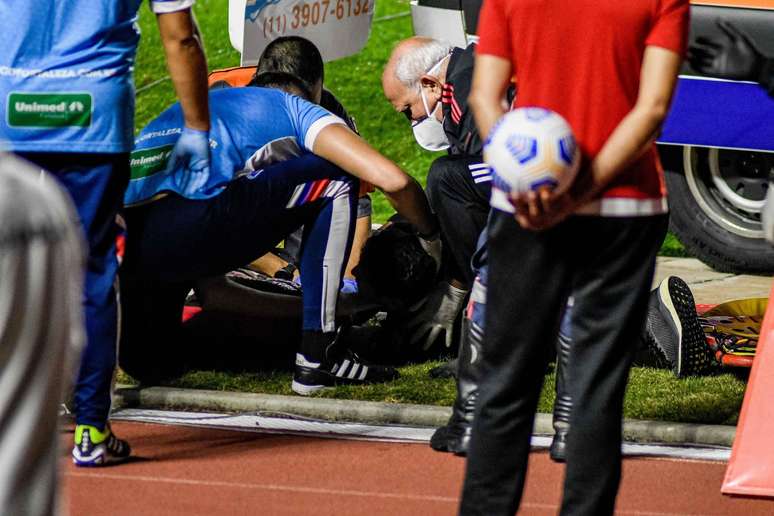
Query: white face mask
{"type": "Point", "coordinates": [429, 133]}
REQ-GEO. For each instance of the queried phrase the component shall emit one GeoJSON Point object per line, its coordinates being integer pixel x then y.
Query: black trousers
{"type": "Point", "coordinates": [458, 189]}
{"type": "Point", "coordinates": [607, 265]}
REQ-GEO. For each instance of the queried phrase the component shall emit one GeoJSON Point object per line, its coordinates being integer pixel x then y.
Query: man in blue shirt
{"type": "Point", "coordinates": [68, 107]}
{"type": "Point", "coordinates": [278, 162]}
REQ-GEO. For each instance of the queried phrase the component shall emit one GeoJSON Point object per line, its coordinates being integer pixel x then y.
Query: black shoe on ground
{"type": "Point", "coordinates": [439, 441]}
{"type": "Point", "coordinates": [673, 327]}
{"type": "Point", "coordinates": [558, 449]}
{"type": "Point", "coordinates": [454, 437]}
{"type": "Point", "coordinates": [346, 368]}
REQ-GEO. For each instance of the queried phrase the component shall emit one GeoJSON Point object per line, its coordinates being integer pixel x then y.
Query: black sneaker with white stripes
{"type": "Point", "coordinates": [343, 368]}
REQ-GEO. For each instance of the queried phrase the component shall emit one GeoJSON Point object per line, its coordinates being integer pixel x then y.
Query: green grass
{"type": "Point", "coordinates": [652, 394]}
{"type": "Point", "coordinates": [673, 247]}
{"type": "Point", "coordinates": [656, 394]}
{"type": "Point", "coordinates": [355, 80]}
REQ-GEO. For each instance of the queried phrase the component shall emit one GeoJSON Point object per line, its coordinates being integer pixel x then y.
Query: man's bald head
{"type": "Point", "coordinates": [409, 63]}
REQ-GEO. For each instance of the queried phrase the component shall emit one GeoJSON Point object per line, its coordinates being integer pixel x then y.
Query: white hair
{"type": "Point", "coordinates": [417, 62]}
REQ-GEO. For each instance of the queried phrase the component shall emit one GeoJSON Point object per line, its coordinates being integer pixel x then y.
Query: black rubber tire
{"type": "Point", "coordinates": [702, 236]}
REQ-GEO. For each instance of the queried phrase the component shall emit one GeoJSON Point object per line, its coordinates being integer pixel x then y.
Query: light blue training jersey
{"type": "Point", "coordinates": [251, 128]}
{"type": "Point", "coordinates": [66, 73]}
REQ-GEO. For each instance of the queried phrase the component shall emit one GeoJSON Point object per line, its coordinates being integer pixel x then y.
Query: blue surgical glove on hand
{"type": "Point", "coordinates": [192, 154]}
{"type": "Point", "coordinates": [349, 286]}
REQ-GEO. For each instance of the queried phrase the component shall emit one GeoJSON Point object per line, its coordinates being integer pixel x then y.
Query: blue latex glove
{"type": "Point", "coordinates": [192, 155]}
{"type": "Point", "coordinates": [348, 286]}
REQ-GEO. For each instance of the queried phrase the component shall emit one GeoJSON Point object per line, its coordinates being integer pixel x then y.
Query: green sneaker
{"type": "Point", "coordinates": [94, 448]}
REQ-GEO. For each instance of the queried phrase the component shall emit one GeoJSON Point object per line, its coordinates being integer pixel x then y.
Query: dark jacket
{"type": "Point", "coordinates": [458, 118]}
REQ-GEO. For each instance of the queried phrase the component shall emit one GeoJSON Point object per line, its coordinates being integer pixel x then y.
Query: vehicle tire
{"type": "Point", "coordinates": [715, 200]}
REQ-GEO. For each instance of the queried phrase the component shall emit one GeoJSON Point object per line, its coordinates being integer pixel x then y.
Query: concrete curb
{"type": "Point", "coordinates": [389, 413]}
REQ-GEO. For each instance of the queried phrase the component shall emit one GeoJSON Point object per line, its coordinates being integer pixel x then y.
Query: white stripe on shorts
{"type": "Point", "coordinates": [333, 260]}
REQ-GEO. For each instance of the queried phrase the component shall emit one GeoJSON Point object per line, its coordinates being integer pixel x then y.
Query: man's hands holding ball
{"type": "Point", "coordinates": [543, 208]}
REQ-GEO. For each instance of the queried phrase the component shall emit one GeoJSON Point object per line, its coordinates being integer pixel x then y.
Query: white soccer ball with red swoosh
{"type": "Point", "coordinates": [529, 148]}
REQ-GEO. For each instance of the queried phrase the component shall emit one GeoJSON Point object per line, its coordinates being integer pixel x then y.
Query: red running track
{"type": "Point", "coordinates": [196, 471]}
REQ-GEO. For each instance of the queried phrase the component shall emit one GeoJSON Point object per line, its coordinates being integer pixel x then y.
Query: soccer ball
{"type": "Point", "coordinates": [529, 148]}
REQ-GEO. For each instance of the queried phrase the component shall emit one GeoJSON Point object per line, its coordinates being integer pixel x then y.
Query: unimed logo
{"type": "Point", "coordinates": [147, 162]}
{"type": "Point", "coordinates": [49, 110]}
{"type": "Point", "coordinates": [24, 107]}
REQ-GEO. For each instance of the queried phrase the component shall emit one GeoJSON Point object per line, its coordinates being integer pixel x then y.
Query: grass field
{"type": "Point", "coordinates": [652, 394]}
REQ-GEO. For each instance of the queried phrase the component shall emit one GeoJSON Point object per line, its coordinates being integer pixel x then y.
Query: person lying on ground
{"type": "Point", "coordinates": [247, 321]}
{"type": "Point", "coordinates": [394, 274]}
{"type": "Point", "coordinates": [279, 162]}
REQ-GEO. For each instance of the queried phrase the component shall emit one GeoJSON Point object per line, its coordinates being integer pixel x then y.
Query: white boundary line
{"type": "Point", "coordinates": [391, 433]}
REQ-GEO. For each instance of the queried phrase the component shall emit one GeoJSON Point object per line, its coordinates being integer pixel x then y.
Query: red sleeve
{"type": "Point", "coordinates": [494, 36]}
{"type": "Point", "coordinates": [670, 27]}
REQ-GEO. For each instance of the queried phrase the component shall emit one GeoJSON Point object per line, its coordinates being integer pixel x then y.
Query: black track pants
{"type": "Point", "coordinates": [607, 265]}
{"type": "Point", "coordinates": [458, 189]}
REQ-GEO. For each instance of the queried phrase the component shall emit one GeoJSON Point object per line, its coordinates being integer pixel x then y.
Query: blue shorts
{"type": "Point", "coordinates": [96, 183]}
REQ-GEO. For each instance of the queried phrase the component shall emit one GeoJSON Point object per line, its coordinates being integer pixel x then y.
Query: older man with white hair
{"type": "Point", "coordinates": [428, 81]}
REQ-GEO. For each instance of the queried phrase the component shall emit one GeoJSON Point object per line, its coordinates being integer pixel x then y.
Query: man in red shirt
{"type": "Point", "coordinates": [609, 67]}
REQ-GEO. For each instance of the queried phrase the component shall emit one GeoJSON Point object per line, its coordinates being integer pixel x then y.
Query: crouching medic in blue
{"type": "Point", "coordinates": [278, 162]}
